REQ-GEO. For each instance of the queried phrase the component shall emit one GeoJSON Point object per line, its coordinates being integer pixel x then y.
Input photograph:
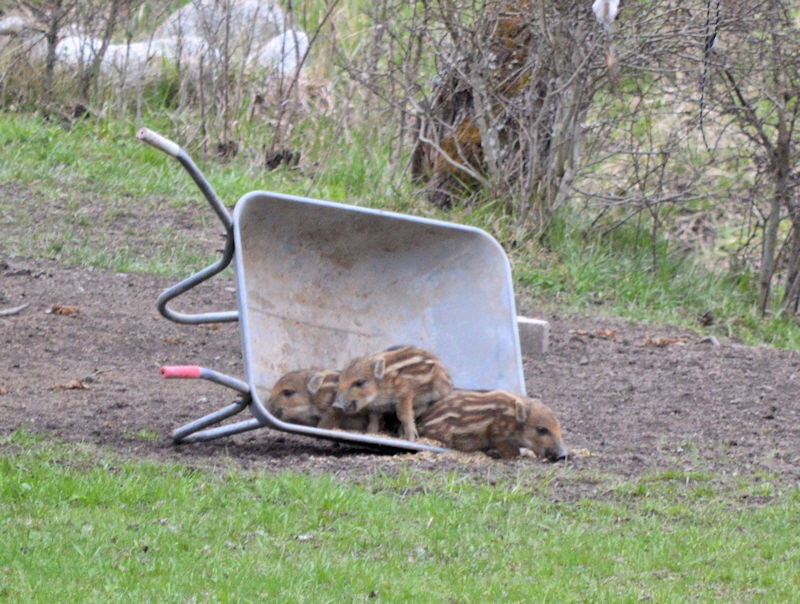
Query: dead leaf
{"type": "Point", "coordinates": [3, 391]}
{"type": "Point", "coordinates": [71, 385]}
{"type": "Point", "coordinates": [662, 342]}
{"type": "Point", "coordinates": [213, 326]}
{"type": "Point", "coordinates": [173, 340]}
{"type": "Point", "coordinates": [606, 334]}
{"type": "Point", "coordinates": [64, 310]}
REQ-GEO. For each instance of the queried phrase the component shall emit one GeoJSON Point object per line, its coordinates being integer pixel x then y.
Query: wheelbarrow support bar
{"type": "Point", "coordinates": [194, 431]}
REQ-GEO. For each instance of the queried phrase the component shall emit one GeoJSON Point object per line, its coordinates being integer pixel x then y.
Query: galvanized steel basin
{"type": "Point", "coordinates": [320, 283]}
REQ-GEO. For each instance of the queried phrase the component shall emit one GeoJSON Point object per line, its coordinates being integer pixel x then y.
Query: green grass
{"type": "Point", "coordinates": [583, 270]}
{"type": "Point", "coordinates": [94, 195]}
{"type": "Point", "coordinates": [81, 525]}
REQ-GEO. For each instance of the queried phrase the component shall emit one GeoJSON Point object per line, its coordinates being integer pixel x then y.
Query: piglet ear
{"type": "Point", "coordinates": [378, 368]}
{"type": "Point", "coordinates": [314, 382]}
{"type": "Point", "coordinates": [521, 411]}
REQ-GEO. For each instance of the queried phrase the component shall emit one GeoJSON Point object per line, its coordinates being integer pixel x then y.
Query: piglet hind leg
{"type": "Point", "coordinates": [374, 424]}
{"type": "Point", "coordinates": [405, 413]}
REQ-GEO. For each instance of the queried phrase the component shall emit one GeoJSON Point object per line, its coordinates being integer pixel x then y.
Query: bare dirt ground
{"type": "Point", "coordinates": [80, 363]}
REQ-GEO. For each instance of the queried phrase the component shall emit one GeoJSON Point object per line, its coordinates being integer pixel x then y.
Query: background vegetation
{"type": "Point", "coordinates": [661, 151]}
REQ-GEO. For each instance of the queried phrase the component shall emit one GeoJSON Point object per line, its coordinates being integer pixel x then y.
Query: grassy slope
{"type": "Point", "coordinates": [86, 526]}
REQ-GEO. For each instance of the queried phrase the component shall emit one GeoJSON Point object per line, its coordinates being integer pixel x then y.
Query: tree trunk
{"type": "Point", "coordinates": [791, 296]}
{"type": "Point", "coordinates": [50, 61]}
{"type": "Point", "coordinates": [768, 253]}
{"type": "Point", "coordinates": [781, 168]}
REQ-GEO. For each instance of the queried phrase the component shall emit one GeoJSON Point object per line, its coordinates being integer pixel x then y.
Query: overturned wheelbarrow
{"type": "Point", "coordinates": [319, 283]}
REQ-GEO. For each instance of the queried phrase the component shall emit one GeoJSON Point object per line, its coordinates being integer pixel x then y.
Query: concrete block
{"type": "Point", "coordinates": [533, 335]}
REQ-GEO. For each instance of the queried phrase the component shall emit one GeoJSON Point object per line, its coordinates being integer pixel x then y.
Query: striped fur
{"type": "Point", "coordinates": [306, 397]}
{"type": "Point", "coordinates": [496, 422]}
{"type": "Point", "coordinates": [402, 379]}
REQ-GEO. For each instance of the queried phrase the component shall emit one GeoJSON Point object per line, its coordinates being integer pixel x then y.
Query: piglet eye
{"type": "Point", "coordinates": [287, 392]}
{"type": "Point", "coordinates": [542, 431]}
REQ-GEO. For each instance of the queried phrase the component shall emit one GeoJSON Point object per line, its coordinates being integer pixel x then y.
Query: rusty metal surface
{"type": "Point", "coordinates": [320, 283]}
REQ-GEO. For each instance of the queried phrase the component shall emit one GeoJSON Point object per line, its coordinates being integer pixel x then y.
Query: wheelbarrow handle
{"type": "Point", "coordinates": [195, 372]}
{"type": "Point", "coordinates": [171, 148]}
{"type": "Point", "coordinates": [180, 371]}
{"type": "Point", "coordinates": [161, 143]}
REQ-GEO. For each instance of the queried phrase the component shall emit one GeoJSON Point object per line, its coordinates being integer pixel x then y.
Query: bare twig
{"type": "Point", "coordinates": [7, 312]}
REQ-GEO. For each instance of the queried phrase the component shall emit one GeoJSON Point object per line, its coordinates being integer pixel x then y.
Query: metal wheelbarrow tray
{"type": "Point", "coordinates": [320, 283]}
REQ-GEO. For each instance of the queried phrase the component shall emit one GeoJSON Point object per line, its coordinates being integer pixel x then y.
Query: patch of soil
{"type": "Point", "coordinates": [81, 361]}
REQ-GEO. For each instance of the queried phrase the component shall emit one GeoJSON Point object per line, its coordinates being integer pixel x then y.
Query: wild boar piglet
{"type": "Point", "coordinates": [494, 421]}
{"type": "Point", "coordinates": [403, 380]}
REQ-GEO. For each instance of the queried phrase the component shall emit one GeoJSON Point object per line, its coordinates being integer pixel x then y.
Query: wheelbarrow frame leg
{"type": "Point", "coordinates": [194, 431]}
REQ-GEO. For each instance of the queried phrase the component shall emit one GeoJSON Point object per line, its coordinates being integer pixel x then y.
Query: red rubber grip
{"type": "Point", "coordinates": [180, 371]}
